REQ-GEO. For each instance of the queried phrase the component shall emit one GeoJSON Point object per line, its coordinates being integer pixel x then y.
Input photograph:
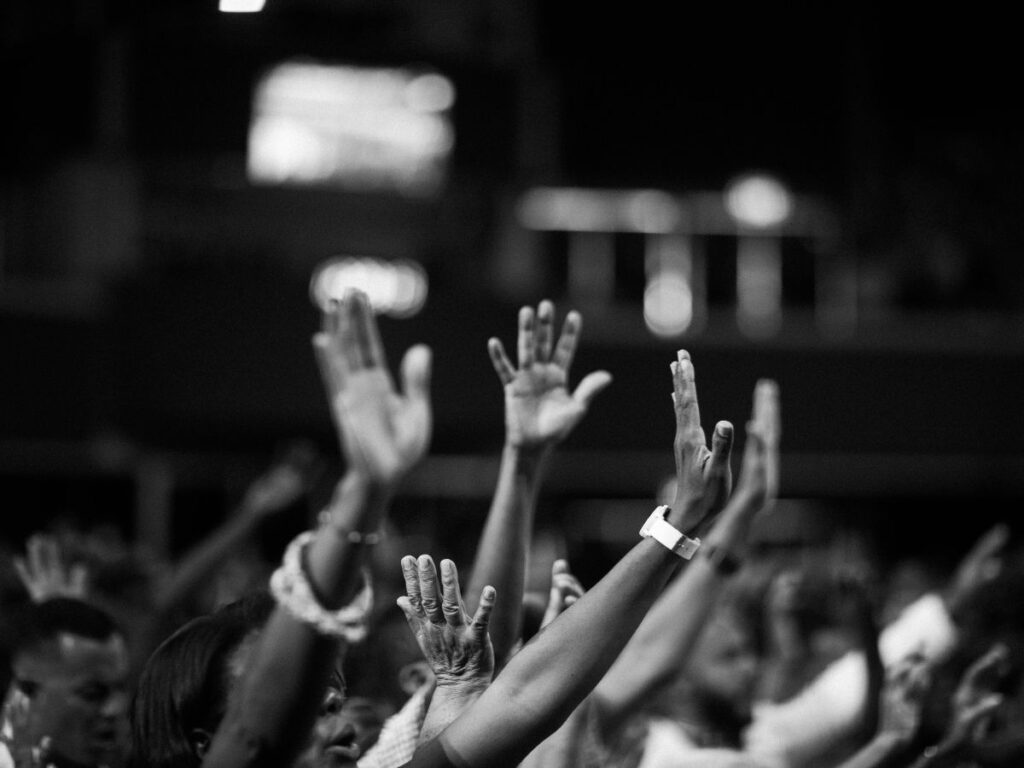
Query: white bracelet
{"type": "Point", "coordinates": [666, 534]}
{"type": "Point", "coordinates": [293, 592]}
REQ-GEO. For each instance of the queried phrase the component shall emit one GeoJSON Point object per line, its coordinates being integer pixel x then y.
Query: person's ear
{"type": "Point", "coordinates": [200, 741]}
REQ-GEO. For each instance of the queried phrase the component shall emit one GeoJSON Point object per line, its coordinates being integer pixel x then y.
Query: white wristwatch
{"type": "Point", "coordinates": [666, 534]}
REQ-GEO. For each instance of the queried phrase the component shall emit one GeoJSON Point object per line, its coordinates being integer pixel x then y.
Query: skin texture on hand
{"type": "Point", "coordinates": [539, 410]}
{"type": "Point", "coordinates": [383, 432]}
{"type": "Point", "coordinates": [455, 644]}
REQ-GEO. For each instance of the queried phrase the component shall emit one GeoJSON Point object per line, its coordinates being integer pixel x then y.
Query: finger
{"type": "Point", "coordinates": [77, 579]}
{"type": "Point", "coordinates": [371, 349]}
{"type": "Point", "coordinates": [24, 575]}
{"type": "Point", "coordinates": [559, 566]}
{"type": "Point", "coordinates": [331, 365]}
{"type": "Point", "coordinates": [986, 671]}
{"type": "Point", "coordinates": [991, 542]}
{"type": "Point", "coordinates": [685, 393]}
{"type": "Point", "coordinates": [502, 365]}
{"type": "Point", "coordinates": [329, 318]}
{"type": "Point", "coordinates": [413, 615]}
{"type": "Point", "coordinates": [753, 475]}
{"type": "Point", "coordinates": [429, 593]}
{"type": "Point", "coordinates": [417, 365]}
{"type": "Point", "coordinates": [412, 582]}
{"type": "Point", "coordinates": [526, 342]}
{"type": "Point", "coordinates": [721, 451]}
{"type": "Point", "coordinates": [545, 330]}
{"type": "Point", "coordinates": [974, 715]}
{"type": "Point", "coordinates": [37, 554]}
{"type": "Point", "coordinates": [346, 338]}
{"type": "Point", "coordinates": [766, 415]}
{"type": "Point", "coordinates": [590, 387]}
{"type": "Point", "coordinates": [565, 351]}
{"type": "Point", "coordinates": [482, 617]}
{"type": "Point", "coordinates": [766, 409]}
{"type": "Point", "coordinates": [451, 602]}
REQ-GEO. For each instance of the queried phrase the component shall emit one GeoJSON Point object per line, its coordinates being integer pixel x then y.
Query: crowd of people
{"type": "Point", "coordinates": [698, 647]}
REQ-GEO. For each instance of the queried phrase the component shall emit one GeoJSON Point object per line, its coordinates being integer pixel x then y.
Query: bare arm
{"type": "Point", "coordinates": [540, 412]}
{"type": "Point", "coordinates": [272, 492]}
{"type": "Point", "coordinates": [667, 635]}
{"type": "Point", "coordinates": [383, 434]}
{"type": "Point", "coordinates": [550, 676]}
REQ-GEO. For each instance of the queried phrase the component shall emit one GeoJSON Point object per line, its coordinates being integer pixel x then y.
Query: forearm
{"type": "Point", "coordinates": [200, 562]}
{"type": "Point", "coordinates": [663, 641]}
{"type": "Point", "coordinates": [504, 544]}
{"type": "Point", "coordinates": [669, 631]}
{"type": "Point", "coordinates": [552, 674]}
{"type": "Point", "coordinates": [280, 695]}
{"type": "Point", "coordinates": [882, 751]}
{"type": "Point", "coordinates": [335, 559]}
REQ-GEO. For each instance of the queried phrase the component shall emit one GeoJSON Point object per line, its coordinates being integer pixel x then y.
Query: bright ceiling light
{"type": "Point", "coordinates": [397, 288]}
{"type": "Point", "coordinates": [758, 201]}
{"type": "Point", "coordinates": [241, 6]}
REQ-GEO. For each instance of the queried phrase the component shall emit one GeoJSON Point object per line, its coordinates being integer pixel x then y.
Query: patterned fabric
{"type": "Point", "coordinates": [397, 740]}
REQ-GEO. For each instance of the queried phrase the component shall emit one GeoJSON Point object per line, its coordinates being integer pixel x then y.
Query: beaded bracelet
{"type": "Point", "coordinates": [291, 588]}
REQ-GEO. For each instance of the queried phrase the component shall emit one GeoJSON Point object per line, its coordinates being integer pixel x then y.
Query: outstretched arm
{"type": "Point", "coordinates": [540, 412]}
{"type": "Point", "coordinates": [273, 491]}
{"type": "Point", "coordinates": [550, 676]}
{"type": "Point", "coordinates": [383, 434]}
{"type": "Point", "coordinates": [667, 635]}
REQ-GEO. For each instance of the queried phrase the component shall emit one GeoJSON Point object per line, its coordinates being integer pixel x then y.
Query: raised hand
{"type": "Point", "coordinates": [383, 432]}
{"type": "Point", "coordinates": [981, 565]}
{"type": "Point", "coordinates": [539, 410]}
{"type": "Point", "coordinates": [456, 645]}
{"type": "Point", "coordinates": [758, 483]}
{"type": "Point", "coordinates": [565, 590]}
{"type": "Point", "coordinates": [43, 571]}
{"type": "Point", "coordinates": [976, 698]}
{"type": "Point", "coordinates": [703, 475]}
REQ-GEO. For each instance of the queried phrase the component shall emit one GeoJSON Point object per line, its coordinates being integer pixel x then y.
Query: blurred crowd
{"type": "Point", "coordinates": [703, 645]}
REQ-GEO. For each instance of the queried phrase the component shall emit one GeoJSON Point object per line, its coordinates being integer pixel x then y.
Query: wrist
{"type": "Point", "coordinates": [456, 687]}
{"type": "Point", "coordinates": [358, 504]}
{"type": "Point", "coordinates": [528, 450]}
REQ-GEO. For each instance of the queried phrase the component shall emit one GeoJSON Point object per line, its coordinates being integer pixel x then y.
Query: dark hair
{"type": "Point", "coordinates": [185, 683]}
{"type": "Point", "coordinates": [40, 623]}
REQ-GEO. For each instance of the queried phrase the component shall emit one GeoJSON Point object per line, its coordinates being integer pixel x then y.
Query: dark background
{"type": "Point", "coordinates": [154, 306]}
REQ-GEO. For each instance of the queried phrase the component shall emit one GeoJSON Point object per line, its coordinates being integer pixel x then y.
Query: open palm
{"type": "Point", "coordinates": [539, 409]}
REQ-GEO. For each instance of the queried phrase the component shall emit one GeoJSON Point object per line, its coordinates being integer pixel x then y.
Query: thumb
{"type": "Point", "coordinates": [591, 386]}
{"type": "Point", "coordinates": [416, 370]}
